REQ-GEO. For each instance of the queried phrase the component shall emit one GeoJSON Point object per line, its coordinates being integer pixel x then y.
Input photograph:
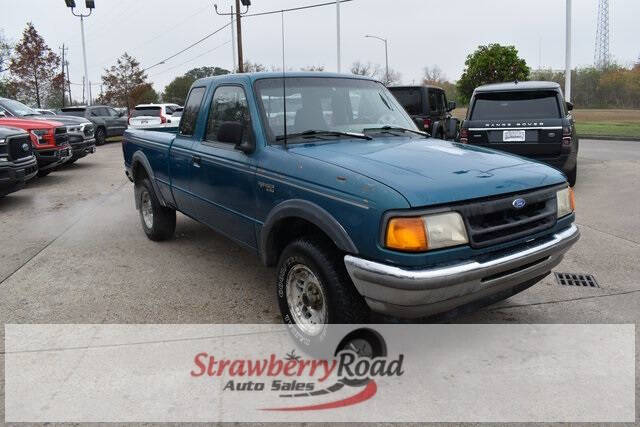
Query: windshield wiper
{"type": "Point", "coordinates": [312, 133]}
{"type": "Point", "coordinates": [397, 129]}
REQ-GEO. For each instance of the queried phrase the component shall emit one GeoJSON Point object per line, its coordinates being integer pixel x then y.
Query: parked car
{"type": "Point", "coordinates": [429, 108]}
{"type": "Point", "coordinates": [153, 115]}
{"type": "Point", "coordinates": [530, 119]}
{"type": "Point", "coordinates": [18, 164]}
{"type": "Point", "coordinates": [45, 112]}
{"type": "Point", "coordinates": [106, 120]}
{"type": "Point", "coordinates": [80, 130]}
{"type": "Point", "coordinates": [50, 141]}
{"type": "Point", "coordinates": [357, 208]}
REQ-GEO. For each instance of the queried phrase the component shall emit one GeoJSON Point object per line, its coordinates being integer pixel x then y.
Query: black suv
{"type": "Point", "coordinates": [530, 119]}
{"type": "Point", "coordinates": [428, 107]}
{"type": "Point", "coordinates": [106, 120]}
{"type": "Point", "coordinates": [18, 164]}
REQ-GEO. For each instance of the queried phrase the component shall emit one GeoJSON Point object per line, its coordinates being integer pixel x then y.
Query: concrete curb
{"type": "Point", "coordinates": [610, 138]}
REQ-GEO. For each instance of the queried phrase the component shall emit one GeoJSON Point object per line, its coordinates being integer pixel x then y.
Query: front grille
{"type": "Point", "coordinates": [61, 136]}
{"type": "Point", "coordinates": [16, 146]}
{"type": "Point", "coordinates": [497, 220]}
{"type": "Point", "coordinates": [88, 131]}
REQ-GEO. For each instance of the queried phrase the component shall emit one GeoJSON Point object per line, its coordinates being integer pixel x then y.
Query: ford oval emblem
{"type": "Point", "coordinates": [25, 147]}
{"type": "Point", "coordinates": [519, 203]}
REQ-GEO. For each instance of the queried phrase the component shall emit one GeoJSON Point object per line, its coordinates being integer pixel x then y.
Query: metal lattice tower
{"type": "Point", "coordinates": [601, 56]}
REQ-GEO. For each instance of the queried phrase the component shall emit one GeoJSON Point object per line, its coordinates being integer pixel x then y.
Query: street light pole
{"type": "Point", "coordinates": [567, 65]}
{"type": "Point", "coordinates": [90, 4]}
{"type": "Point", "coordinates": [338, 32]}
{"type": "Point", "coordinates": [386, 56]}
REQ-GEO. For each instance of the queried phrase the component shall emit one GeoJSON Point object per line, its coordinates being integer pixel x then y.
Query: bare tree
{"type": "Point", "coordinates": [433, 75]}
{"type": "Point", "coordinates": [362, 69]}
{"type": "Point", "coordinates": [312, 68]}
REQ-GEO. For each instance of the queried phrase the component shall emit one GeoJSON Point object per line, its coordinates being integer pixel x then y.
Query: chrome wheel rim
{"type": "Point", "coordinates": [306, 300]}
{"type": "Point", "coordinates": [146, 208]}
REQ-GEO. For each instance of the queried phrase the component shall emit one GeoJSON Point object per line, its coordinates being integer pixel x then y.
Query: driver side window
{"type": "Point", "coordinates": [229, 104]}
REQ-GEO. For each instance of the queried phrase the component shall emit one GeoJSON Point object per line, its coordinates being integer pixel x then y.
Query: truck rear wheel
{"type": "Point", "coordinates": [158, 222]}
{"type": "Point", "coordinates": [314, 288]}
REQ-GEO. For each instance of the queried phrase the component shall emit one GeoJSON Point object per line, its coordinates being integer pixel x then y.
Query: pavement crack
{"type": "Point", "coordinates": [504, 307]}
{"type": "Point", "coordinates": [609, 234]}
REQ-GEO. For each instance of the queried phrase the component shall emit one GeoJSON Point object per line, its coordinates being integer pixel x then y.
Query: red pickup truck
{"type": "Point", "coordinates": [51, 142]}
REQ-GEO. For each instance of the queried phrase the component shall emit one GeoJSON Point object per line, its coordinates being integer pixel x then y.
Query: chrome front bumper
{"type": "Point", "coordinates": [415, 293]}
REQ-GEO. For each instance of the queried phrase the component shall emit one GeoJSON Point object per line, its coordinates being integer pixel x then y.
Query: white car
{"type": "Point", "coordinates": [153, 115]}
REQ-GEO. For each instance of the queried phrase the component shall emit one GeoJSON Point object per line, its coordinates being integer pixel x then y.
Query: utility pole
{"type": "Point", "coordinates": [338, 33]}
{"type": "Point", "coordinates": [567, 62]}
{"type": "Point", "coordinates": [63, 79]}
{"type": "Point", "coordinates": [239, 30]}
{"type": "Point", "coordinates": [69, 83]}
{"type": "Point", "coordinates": [238, 15]}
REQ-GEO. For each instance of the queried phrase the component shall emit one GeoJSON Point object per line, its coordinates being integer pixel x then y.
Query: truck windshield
{"type": "Point", "coordinates": [18, 108]}
{"type": "Point", "coordinates": [517, 105]}
{"type": "Point", "coordinates": [339, 105]}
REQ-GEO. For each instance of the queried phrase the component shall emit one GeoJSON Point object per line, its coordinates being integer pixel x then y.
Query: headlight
{"type": "Point", "coordinates": [419, 234]}
{"type": "Point", "coordinates": [39, 133]}
{"type": "Point", "coordinates": [566, 201]}
{"type": "Point", "coordinates": [75, 129]}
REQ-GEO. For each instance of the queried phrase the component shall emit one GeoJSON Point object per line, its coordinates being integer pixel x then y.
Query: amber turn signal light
{"type": "Point", "coordinates": [406, 234]}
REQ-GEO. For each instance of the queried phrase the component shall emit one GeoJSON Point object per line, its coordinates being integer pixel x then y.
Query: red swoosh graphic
{"type": "Point", "coordinates": [366, 393]}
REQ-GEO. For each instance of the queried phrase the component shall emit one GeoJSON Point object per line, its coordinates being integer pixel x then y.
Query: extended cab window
{"type": "Point", "coordinates": [229, 105]}
{"type": "Point", "coordinates": [517, 105]}
{"type": "Point", "coordinates": [191, 110]}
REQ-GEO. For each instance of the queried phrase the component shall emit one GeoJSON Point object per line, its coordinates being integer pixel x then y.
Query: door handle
{"type": "Point", "coordinates": [196, 161]}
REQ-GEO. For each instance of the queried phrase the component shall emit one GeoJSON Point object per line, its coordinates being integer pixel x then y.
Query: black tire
{"type": "Point", "coordinates": [101, 136]}
{"type": "Point", "coordinates": [42, 174]}
{"type": "Point", "coordinates": [162, 222]}
{"type": "Point", "coordinates": [343, 302]}
{"type": "Point", "coordinates": [572, 176]}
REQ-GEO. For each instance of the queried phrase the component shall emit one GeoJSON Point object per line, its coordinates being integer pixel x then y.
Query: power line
{"type": "Point", "coordinates": [293, 9]}
{"type": "Point", "coordinates": [192, 59]}
{"type": "Point", "coordinates": [188, 47]}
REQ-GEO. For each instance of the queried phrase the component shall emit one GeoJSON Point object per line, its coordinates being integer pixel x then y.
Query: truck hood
{"type": "Point", "coordinates": [431, 171]}
{"type": "Point", "coordinates": [67, 120]}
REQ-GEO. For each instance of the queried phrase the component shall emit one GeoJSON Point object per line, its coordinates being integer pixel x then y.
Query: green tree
{"type": "Point", "coordinates": [33, 67]}
{"type": "Point", "coordinates": [121, 80]}
{"type": "Point", "coordinates": [491, 64]}
{"type": "Point", "coordinates": [177, 90]}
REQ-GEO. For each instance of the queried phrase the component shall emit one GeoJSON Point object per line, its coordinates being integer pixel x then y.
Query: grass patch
{"type": "Point", "coordinates": [615, 129]}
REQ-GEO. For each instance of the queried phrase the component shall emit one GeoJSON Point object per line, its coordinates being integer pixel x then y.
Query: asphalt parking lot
{"type": "Point", "coordinates": [73, 252]}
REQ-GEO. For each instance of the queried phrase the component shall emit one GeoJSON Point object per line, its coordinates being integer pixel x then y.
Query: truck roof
{"type": "Point", "coordinates": [415, 87]}
{"type": "Point", "coordinates": [277, 74]}
{"type": "Point", "coordinates": [512, 86]}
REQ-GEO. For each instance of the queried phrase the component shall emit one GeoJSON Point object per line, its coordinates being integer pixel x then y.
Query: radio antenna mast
{"type": "Point", "coordinates": [284, 90]}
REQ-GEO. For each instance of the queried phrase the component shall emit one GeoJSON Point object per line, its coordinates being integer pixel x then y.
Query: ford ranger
{"type": "Point", "coordinates": [326, 177]}
{"type": "Point", "coordinates": [17, 161]}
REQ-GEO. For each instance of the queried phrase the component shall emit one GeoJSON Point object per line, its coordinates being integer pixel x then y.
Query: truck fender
{"type": "Point", "coordinates": [140, 160]}
{"type": "Point", "coordinates": [307, 211]}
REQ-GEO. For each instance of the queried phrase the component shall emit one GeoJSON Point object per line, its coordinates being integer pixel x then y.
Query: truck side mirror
{"type": "Point", "coordinates": [232, 133]}
{"type": "Point", "coordinates": [451, 106]}
{"type": "Point", "coordinates": [569, 106]}
{"type": "Point", "coordinates": [2, 114]}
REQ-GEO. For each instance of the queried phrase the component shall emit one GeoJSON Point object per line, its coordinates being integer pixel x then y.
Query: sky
{"type": "Point", "coordinates": [419, 32]}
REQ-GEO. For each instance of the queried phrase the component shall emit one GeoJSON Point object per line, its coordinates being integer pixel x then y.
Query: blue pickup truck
{"type": "Point", "coordinates": [326, 177]}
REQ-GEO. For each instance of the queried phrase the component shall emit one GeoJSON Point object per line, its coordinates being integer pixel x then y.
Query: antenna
{"type": "Point", "coordinates": [284, 90]}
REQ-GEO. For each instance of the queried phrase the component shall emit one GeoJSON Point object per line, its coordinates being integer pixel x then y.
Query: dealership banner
{"type": "Point", "coordinates": [383, 373]}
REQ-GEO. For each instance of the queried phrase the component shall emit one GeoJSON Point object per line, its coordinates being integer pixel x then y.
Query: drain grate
{"type": "Point", "coordinates": [571, 279]}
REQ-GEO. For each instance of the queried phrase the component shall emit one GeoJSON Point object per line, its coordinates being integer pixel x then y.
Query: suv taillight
{"type": "Point", "coordinates": [426, 123]}
{"type": "Point", "coordinates": [163, 119]}
{"type": "Point", "coordinates": [566, 135]}
{"type": "Point", "coordinates": [464, 136]}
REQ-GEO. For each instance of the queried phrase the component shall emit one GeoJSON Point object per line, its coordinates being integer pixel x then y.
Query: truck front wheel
{"type": "Point", "coordinates": [158, 222]}
{"type": "Point", "coordinates": [314, 288]}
